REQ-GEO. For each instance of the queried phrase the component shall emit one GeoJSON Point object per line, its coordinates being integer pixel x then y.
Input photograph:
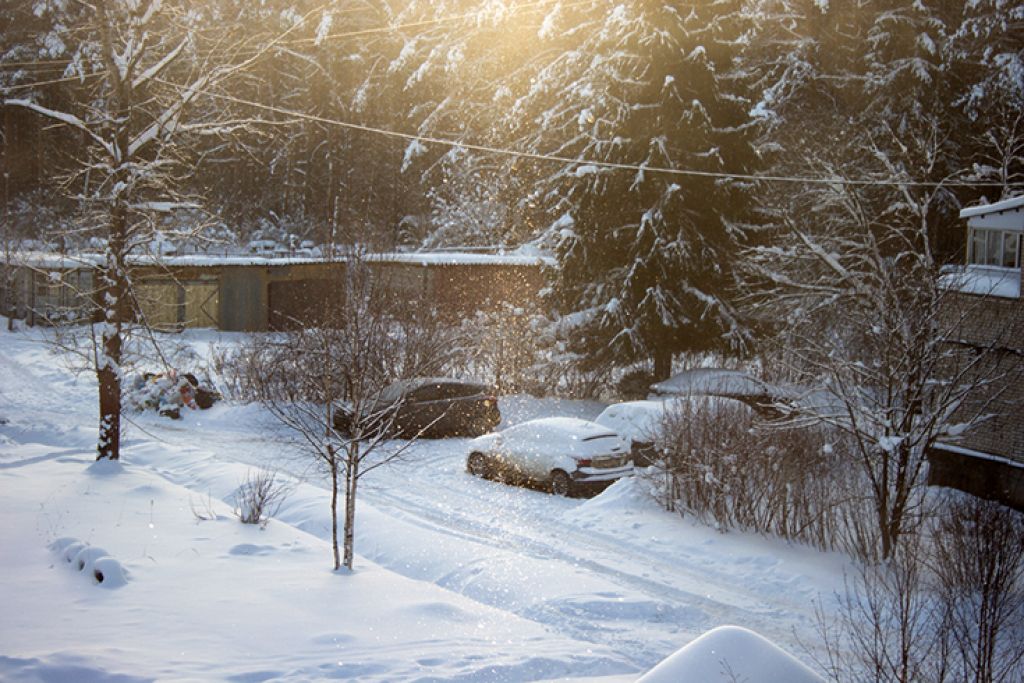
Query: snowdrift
{"type": "Point", "coordinates": [727, 654]}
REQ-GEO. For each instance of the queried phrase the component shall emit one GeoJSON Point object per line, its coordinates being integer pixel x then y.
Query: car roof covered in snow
{"type": "Point", "coordinates": [401, 387]}
{"type": "Point", "coordinates": [640, 420]}
{"type": "Point", "coordinates": [713, 382]}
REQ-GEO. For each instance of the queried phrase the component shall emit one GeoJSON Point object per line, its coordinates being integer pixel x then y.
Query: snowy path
{"type": "Point", "coordinates": [614, 572]}
{"type": "Point", "coordinates": [634, 579]}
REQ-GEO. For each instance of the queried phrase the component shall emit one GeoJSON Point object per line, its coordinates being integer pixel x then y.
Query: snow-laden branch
{"type": "Point", "coordinates": [155, 70]}
{"type": "Point", "coordinates": [63, 117]}
{"type": "Point", "coordinates": [164, 207]}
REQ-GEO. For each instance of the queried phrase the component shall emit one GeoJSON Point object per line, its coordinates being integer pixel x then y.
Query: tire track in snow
{"type": "Point", "coordinates": [603, 557]}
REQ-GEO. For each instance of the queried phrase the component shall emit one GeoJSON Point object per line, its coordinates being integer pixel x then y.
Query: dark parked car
{"type": "Point", "coordinates": [429, 407]}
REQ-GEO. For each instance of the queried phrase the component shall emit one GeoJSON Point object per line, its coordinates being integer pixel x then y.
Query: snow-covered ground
{"type": "Point", "coordinates": [456, 579]}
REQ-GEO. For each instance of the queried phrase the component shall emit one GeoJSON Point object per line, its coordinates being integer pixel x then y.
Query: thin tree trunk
{"type": "Point", "coordinates": [350, 512]}
{"type": "Point", "coordinates": [662, 364]}
{"type": "Point", "coordinates": [114, 289]}
{"type": "Point", "coordinates": [334, 506]}
{"type": "Point", "coordinates": [8, 278]}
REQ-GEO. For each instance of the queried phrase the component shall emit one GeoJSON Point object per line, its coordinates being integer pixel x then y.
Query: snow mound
{"type": "Point", "coordinates": [731, 653]}
{"type": "Point", "coordinates": [108, 572]}
{"type": "Point", "coordinates": [105, 468]}
{"type": "Point", "coordinates": [628, 493]}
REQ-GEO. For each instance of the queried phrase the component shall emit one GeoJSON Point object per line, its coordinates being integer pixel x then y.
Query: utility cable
{"type": "Point", "coordinates": [536, 156]}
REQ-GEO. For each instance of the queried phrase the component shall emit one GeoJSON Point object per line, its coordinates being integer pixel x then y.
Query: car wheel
{"type": "Point", "coordinates": [561, 483]}
{"type": "Point", "coordinates": [477, 465]}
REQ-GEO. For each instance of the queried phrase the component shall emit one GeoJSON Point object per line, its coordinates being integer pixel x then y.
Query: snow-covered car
{"type": "Point", "coordinates": [564, 454]}
{"type": "Point", "coordinates": [735, 384]}
{"type": "Point", "coordinates": [638, 422]}
{"type": "Point", "coordinates": [429, 407]}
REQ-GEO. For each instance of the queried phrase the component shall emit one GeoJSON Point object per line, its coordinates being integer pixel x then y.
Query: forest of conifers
{"type": "Point", "coordinates": [644, 144]}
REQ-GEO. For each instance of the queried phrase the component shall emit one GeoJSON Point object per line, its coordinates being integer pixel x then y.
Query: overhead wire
{"type": "Point", "coordinates": [535, 156]}
{"type": "Point", "coordinates": [581, 163]}
{"type": "Point", "coordinates": [38, 84]}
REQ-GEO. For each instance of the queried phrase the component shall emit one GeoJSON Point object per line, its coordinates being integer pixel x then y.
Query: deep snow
{"type": "Point", "coordinates": [456, 579]}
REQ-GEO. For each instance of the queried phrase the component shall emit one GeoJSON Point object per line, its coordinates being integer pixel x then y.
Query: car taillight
{"type": "Point", "coordinates": [583, 462]}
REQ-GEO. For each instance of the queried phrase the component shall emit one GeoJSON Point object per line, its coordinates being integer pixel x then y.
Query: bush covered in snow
{"type": "Point", "coordinates": [168, 393]}
{"type": "Point", "coordinates": [728, 469]}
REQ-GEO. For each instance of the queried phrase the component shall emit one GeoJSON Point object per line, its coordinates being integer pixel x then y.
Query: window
{"type": "Point", "coordinates": [995, 248]}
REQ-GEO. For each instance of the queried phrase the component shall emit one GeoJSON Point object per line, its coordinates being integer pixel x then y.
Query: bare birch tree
{"type": "Point", "coordinates": [309, 377]}
{"type": "Point", "coordinates": [867, 329]}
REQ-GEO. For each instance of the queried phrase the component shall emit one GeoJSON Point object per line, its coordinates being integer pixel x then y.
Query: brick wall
{"type": "Point", "coordinates": [993, 328]}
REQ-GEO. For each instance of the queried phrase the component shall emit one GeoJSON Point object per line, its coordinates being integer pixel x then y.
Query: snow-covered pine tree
{"type": "Point", "coordinates": [987, 63]}
{"type": "Point", "coordinates": [647, 256]}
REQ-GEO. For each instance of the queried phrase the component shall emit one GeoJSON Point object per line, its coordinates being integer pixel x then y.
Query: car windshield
{"type": "Point", "coordinates": [393, 392]}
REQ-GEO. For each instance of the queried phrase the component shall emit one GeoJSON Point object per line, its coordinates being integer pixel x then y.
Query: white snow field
{"type": "Point", "coordinates": [455, 579]}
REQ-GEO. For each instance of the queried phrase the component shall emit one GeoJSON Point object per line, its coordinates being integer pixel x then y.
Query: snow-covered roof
{"type": "Point", "coordinates": [51, 261]}
{"type": "Point", "coordinates": [461, 258]}
{"type": "Point", "coordinates": [984, 280]}
{"type": "Point", "coordinates": [58, 261]}
{"type": "Point", "coordinates": [1015, 203]}
{"type": "Point", "coordinates": [1005, 215]}
{"type": "Point", "coordinates": [981, 455]}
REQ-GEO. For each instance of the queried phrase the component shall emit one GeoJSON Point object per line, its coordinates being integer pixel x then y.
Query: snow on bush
{"type": "Point", "coordinates": [168, 393]}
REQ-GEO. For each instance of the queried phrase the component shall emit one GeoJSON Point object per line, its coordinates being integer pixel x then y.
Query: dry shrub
{"type": "Point", "coordinates": [237, 367]}
{"type": "Point", "coordinates": [520, 349]}
{"type": "Point", "coordinates": [259, 497]}
{"type": "Point", "coordinates": [888, 626]}
{"type": "Point", "coordinates": [978, 562]}
{"type": "Point", "coordinates": [725, 465]}
{"type": "Point", "coordinates": [947, 606]}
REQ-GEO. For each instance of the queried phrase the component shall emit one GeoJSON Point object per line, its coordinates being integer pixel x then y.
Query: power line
{"type": "Point", "coordinates": [536, 156]}
{"type": "Point", "coordinates": [531, 6]}
{"type": "Point", "coordinates": [37, 84]}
